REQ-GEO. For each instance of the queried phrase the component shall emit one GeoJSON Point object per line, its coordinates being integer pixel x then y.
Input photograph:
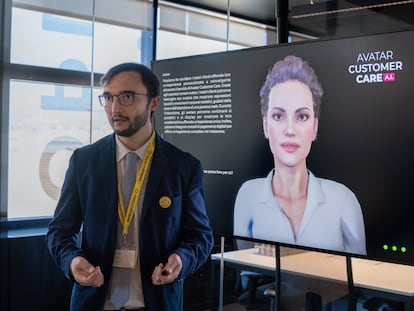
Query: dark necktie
{"type": "Point", "coordinates": [120, 276]}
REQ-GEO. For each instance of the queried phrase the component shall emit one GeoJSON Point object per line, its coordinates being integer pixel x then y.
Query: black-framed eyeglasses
{"type": "Point", "coordinates": [124, 99]}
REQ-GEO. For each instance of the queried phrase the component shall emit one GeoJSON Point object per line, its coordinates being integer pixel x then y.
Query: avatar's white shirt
{"type": "Point", "coordinates": [332, 219]}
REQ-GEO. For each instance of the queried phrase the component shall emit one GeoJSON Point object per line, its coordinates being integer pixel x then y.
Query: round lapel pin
{"type": "Point", "coordinates": [165, 202]}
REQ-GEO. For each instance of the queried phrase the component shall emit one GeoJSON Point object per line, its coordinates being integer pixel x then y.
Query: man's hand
{"type": "Point", "coordinates": [164, 274]}
{"type": "Point", "coordinates": [86, 274]}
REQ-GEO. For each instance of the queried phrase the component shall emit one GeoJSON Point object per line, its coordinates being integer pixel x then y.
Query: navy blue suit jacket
{"type": "Point", "coordinates": [88, 203]}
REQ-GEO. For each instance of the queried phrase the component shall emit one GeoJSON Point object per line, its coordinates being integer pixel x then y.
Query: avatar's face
{"type": "Point", "coordinates": [290, 123]}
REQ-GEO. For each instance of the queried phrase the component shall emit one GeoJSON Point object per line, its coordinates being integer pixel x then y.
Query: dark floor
{"type": "Point", "coordinates": [337, 306]}
{"type": "Point", "coordinates": [293, 299]}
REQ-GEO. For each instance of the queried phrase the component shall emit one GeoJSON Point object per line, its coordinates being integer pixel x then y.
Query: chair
{"type": "Point", "coordinates": [313, 301]}
{"type": "Point", "coordinates": [248, 282]}
{"type": "Point", "coordinates": [271, 293]}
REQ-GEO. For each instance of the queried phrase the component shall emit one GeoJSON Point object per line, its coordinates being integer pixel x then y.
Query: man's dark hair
{"type": "Point", "coordinates": [149, 79]}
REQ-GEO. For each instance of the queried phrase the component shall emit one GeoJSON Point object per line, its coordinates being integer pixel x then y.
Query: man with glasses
{"type": "Point", "coordinates": [137, 247]}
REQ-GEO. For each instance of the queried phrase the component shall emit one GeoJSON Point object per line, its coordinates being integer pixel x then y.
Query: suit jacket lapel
{"type": "Point", "coordinates": [108, 174]}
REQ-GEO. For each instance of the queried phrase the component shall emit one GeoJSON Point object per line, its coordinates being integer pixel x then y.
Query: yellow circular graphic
{"type": "Point", "coordinates": [165, 202]}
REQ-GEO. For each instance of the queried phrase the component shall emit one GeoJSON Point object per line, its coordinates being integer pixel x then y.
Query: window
{"type": "Point", "coordinates": [48, 121]}
{"type": "Point", "coordinates": [57, 52]}
{"type": "Point", "coordinates": [171, 44]}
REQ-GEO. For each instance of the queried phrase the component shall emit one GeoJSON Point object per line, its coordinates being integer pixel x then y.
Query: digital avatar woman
{"type": "Point", "coordinates": [291, 205]}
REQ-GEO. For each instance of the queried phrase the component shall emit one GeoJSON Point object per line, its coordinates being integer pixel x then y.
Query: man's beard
{"type": "Point", "coordinates": [137, 123]}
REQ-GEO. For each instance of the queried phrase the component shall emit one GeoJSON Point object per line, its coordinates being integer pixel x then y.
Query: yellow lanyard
{"type": "Point", "coordinates": [126, 219]}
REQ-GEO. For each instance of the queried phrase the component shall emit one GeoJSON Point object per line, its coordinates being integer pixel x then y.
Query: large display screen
{"type": "Point", "coordinates": [357, 154]}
